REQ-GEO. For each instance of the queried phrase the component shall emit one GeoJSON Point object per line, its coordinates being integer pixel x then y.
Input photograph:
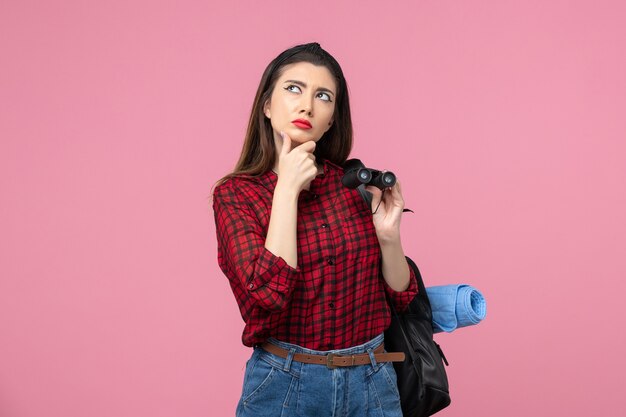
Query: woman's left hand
{"type": "Point", "coordinates": [387, 217]}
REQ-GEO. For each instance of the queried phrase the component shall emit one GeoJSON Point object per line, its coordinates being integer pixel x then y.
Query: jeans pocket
{"type": "Point", "coordinates": [268, 389]}
{"type": "Point", "coordinates": [258, 376]}
{"type": "Point", "coordinates": [383, 390]}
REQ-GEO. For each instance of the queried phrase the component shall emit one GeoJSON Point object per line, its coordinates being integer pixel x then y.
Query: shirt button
{"type": "Point", "coordinates": [324, 225]}
{"type": "Point", "coordinates": [251, 286]}
{"type": "Point", "coordinates": [313, 196]}
{"type": "Point", "coordinates": [331, 305]}
{"type": "Point", "coordinates": [331, 260]}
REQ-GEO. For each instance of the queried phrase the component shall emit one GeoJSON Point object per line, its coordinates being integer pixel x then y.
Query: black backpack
{"type": "Point", "coordinates": [422, 379]}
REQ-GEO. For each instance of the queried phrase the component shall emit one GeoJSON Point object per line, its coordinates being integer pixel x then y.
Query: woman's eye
{"type": "Point", "coordinates": [327, 96]}
{"type": "Point", "coordinates": [323, 96]}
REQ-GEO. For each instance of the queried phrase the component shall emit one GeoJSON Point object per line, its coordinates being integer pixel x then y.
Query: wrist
{"type": "Point", "coordinates": [390, 240]}
{"type": "Point", "coordinates": [285, 192]}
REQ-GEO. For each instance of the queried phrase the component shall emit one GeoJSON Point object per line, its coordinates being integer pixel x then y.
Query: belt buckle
{"type": "Point", "coordinates": [329, 361]}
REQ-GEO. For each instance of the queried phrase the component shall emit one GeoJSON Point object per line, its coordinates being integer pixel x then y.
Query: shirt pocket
{"type": "Point", "coordinates": [360, 235]}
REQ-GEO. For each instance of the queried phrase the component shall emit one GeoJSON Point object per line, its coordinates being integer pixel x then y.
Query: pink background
{"type": "Point", "coordinates": [505, 122]}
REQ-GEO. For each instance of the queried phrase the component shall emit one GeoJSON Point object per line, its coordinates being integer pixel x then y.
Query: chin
{"type": "Point", "coordinates": [301, 138]}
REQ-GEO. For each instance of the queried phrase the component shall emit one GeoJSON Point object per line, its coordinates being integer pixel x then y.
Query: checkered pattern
{"type": "Point", "coordinates": [335, 298]}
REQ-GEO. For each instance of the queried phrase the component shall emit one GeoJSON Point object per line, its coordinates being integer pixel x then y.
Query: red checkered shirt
{"type": "Point", "coordinates": [335, 298]}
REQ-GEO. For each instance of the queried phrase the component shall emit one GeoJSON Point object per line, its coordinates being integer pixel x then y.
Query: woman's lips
{"type": "Point", "coordinates": [302, 124]}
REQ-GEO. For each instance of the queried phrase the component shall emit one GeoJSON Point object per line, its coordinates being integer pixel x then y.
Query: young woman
{"type": "Point", "coordinates": [308, 261]}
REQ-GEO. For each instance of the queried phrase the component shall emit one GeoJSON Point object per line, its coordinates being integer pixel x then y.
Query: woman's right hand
{"type": "Point", "coordinates": [296, 167]}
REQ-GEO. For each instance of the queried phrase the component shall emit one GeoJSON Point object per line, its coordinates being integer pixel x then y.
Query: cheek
{"type": "Point", "coordinates": [286, 107]}
{"type": "Point", "coordinates": [328, 115]}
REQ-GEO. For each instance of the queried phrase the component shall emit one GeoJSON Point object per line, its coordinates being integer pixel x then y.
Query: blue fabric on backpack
{"type": "Point", "coordinates": [455, 306]}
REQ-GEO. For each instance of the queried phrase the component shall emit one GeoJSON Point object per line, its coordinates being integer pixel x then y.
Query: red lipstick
{"type": "Point", "coordinates": [302, 124]}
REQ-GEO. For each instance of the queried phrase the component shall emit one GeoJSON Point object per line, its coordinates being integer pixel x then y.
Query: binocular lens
{"type": "Point", "coordinates": [364, 175]}
{"type": "Point", "coordinates": [389, 179]}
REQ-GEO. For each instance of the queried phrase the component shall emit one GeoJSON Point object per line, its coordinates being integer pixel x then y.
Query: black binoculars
{"type": "Point", "coordinates": [356, 174]}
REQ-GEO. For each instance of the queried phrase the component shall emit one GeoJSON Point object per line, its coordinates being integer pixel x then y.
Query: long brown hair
{"type": "Point", "coordinates": [259, 149]}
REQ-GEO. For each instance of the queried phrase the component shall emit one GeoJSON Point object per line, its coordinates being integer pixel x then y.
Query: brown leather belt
{"type": "Point", "coordinates": [332, 361]}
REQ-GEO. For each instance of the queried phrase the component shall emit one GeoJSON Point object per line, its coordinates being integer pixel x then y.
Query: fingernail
{"type": "Point", "coordinates": [282, 135]}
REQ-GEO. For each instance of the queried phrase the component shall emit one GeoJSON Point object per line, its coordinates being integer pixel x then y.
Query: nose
{"type": "Point", "coordinates": [307, 106]}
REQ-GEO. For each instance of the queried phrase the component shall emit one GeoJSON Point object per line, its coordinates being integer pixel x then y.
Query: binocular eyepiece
{"type": "Point", "coordinates": [356, 174]}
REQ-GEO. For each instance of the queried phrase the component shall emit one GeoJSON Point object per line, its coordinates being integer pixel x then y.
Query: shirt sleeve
{"type": "Point", "coordinates": [242, 255]}
{"type": "Point", "coordinates": [401, 299]}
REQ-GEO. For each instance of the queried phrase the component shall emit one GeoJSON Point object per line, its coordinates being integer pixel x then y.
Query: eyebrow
{"type": "Point", "coordinates": [303, 84]}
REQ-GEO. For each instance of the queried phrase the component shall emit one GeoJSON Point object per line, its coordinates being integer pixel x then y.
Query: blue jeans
{"type": "Point", "coordinates": [275, 387]}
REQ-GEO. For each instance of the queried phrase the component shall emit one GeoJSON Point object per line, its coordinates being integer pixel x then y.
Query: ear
{"type": "Point", "coordinates": [266, 109]}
